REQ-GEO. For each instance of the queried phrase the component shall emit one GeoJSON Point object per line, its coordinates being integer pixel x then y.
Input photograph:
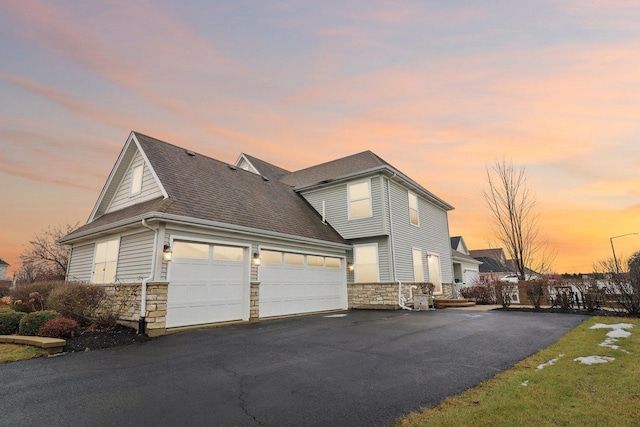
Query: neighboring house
{"type": "Point", "coordinates": [494, 263]}
{"type": "Point", "coordinates": [3, 269]}
{"type": "Point", "coordinates": [252, 240]}
{"type": "Point", "coordinates": [466, 269]}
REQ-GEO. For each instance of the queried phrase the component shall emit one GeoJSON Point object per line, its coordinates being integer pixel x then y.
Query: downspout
{"type": "Point", "coordinates": [143, 297]}
{"type": "Point", "coordinates": [401, 299]}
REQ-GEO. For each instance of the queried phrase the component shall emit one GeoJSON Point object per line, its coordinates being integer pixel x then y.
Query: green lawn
{"type": "Point", "coordinates": [565, 392]}
{"type": "Point", "coordinates": [14, 352]}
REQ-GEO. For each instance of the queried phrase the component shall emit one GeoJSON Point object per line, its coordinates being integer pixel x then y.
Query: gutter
{"type": "Point", "coordinates": [143, 296]}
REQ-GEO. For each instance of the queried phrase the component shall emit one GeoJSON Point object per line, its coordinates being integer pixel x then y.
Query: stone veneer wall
{"type": "Point", "coordinates": [254, 302]}
{"type": "Point", "coordinates": [384, 296]}
{"type": "Point", "coordinates": [125, 301]}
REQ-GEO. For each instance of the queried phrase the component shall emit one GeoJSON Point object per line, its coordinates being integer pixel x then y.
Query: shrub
{"type": "Point", "coordinates": [78, 301]}
{"type": "Point", "coordinates": [33, 296]}
{"type": "Point", "coordinates": [535, 291]}
{"type": "Point", "coordinates": [481, 292]}
{"type": "Point", "coordinates": [5, 287]}
{"type": "Point", "coordinates": [504, 292]}
{"type": "Point", "coordinates": [31, 322]}
{"type": "Point", "coordinates": [9, 321]}
{"type": "Point", "coordinates": [59, 327]}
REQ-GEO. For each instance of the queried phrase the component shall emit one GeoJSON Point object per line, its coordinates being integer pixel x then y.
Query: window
{"type": "Point", "coordinates": [227, 253]}
{"type": "Point", "coordinates": [332, 262]}
{"type": "Point", "coordinates": [190, 250]}
{"type": "Point", "coordinates": [433, 262]}
{"type": "Point", "coordinates": [136, 178]}
{"type": "Point", "coordinates": [418, 273]}
{"type": "Point", "coordinates": [366, 263]}
{"type": "Point", "coordinates": [271, 257]}
{"type": "Point", "coordinates": [359, 200]}
{"type": "Point", "coordinates": [105, 261]}
{"type": "Point", "coordinates": [315, 261]}
{"type": "Point", "coordinates": [293, 259]}
{"type": "Point", "coordinates": [413, 209]}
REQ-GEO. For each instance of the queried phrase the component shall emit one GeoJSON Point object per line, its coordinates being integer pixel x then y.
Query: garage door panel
{"type": "Point", "coordinates": [292, 289]}
{"type": "Point", "coordinates": [207, 290]}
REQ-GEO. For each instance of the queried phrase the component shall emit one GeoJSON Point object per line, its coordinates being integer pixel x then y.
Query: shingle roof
{"type": "Point", "coordinates": [334, 169]}
{"type": "Point", "coordinates": [204, 188]}
{"type": "Point", "coordinates": [455, 241]}
{"type": "Point", "coordinates": [459, 255]}
{"type": "Point", "coordinates": [3, 262]}
{"type": "Point", "coordinates": [267, 169]}
{"type": "Point", "coordinates": [491, 265]}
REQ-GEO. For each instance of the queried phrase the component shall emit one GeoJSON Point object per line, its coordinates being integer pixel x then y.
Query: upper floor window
{"type": "Point", "coordinates": [359, 200]}
{"type": "Point", "coordinates": [105, 261]}
{"type": "Point", "coordinates": [136, 178]}
{"type": "Point", "coordinates": [413, 209]}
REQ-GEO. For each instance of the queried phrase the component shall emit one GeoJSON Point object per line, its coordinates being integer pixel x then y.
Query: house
{"type": "Point", "coordinates": [193, 240]}
{"type": "Point", "coordinates": [466, 269]}
{"type": "Point", "coordinates": [3, 269]}
{"type": "Point", "coordinates": [494, 263]}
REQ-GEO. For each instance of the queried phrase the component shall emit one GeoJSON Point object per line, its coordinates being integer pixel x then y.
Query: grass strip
{"type": "Point", "coordinates": [561, 392]}
{"type": "Point", "coordinates": [15, 352]}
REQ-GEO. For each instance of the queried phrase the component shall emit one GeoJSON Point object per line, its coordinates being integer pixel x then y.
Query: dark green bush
{"type": "Point", "coordinates": [30, 323]}
{"type": "Point", "coordinates": [76, 300]}
{"type": "Point", "coordinates": [60, 327]}
{"type": "Point", "coordinates": [9, 321]}
{"type": "Point", "coordinates": [30, 297]}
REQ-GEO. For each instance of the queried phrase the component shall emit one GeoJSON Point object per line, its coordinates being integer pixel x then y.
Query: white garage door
{"type": "Point", "coordinates": [470, 277]}
{"type": "Point", "coordinates": [295, 283]}
{"type": "Point", "coordinates": [207, 284]}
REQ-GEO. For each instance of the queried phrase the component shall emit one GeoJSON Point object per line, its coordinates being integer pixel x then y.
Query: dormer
{"type": "Point", "coordinates": [244, 163]}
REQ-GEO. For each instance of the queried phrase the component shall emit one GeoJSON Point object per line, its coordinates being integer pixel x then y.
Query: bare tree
{"type": "Point", "coordinates": [44, 259]}
{"type": "Point", "coordinates": [515, 220]}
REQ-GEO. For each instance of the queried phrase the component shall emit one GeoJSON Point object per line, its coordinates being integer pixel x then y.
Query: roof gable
{"type": "Point", "coordinates": [129, 153]}
{"type": "Point", "coordinates": [255, 165]}
{"type": "Point", "coordinates": [206, 191]}
{"type": "Point", "coordinates": [354, 166]}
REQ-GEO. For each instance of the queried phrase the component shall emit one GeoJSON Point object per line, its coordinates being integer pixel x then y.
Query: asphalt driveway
{"type": "Point", "coordinates": [364, 368]}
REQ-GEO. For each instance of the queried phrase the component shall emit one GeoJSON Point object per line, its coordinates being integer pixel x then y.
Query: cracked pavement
{"type": "Point", "coordinates": [367, 368]}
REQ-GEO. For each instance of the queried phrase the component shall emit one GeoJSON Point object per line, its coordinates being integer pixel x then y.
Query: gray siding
{"type": "Point", "coordinates": [431, 236]}
{"type": "Point", "coordinates": [134, 257]}
{"type": "Point", "coordinates": [150, 188]}
{"type": "Point", "coordinates": [81, 263]}
{"type": "Point", "coordinates": [337, 210]}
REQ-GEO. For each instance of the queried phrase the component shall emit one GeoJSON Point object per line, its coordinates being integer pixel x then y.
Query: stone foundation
{"type": "Point", "coordinates": [125, 299]}
{"type": "Point", "coordinates": [254, 302]}
{"type": "Point", "coordinates": [384, 296]}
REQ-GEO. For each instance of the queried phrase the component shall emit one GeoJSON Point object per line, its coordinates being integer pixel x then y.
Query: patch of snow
{"type": "Point", "coordinates": [616, 326]}
{"type": "Point", "coordinates": [549, 362]}
{"type": "Point", "coordinates": [524, 384]}
{"type": "Point", "coordinates": [617, 331]}
{"type": "Point", "coordinates": [592, 360]}
{"type": "Point", "coordinates": [336, 315]}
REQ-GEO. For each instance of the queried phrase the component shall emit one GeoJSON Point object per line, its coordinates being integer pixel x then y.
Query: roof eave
{"type": "Point", "coordinates": [380, 169]}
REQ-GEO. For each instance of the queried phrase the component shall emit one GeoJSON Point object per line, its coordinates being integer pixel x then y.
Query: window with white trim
{"type": "Point", "coordinates": [418, 270]}
{"type": "Point", "coordinates": [136, 178]}
{"type": "Point", "coordinates": [433, 262]}
{"type": "Point", "coordinates": [359, 199]}
{"type": "Point", "coordinates": [365, 262]}
{"type": "Point", "coordinates": [105, 261]}
{"type": "Point", "coordinates": [413, 209]}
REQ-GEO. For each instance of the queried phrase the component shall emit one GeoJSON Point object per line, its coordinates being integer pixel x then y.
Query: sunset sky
{"type": "Point", "coordinates": [439, 89]}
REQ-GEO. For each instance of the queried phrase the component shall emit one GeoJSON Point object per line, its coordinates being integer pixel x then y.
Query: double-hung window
{"type": "Point", "coordinates": [359, 199]}
{"type": "Point", "coordinates": [105, 261]}
{"type": "Point", "coordinates": [413, 209]}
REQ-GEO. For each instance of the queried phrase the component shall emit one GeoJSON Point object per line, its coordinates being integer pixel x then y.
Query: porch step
{"type": "Point", "coordinates": [452, 302]}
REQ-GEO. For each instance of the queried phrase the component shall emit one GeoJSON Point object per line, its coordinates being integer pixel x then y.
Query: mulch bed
{"type": "Point", "coordinates": [116, 337]}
